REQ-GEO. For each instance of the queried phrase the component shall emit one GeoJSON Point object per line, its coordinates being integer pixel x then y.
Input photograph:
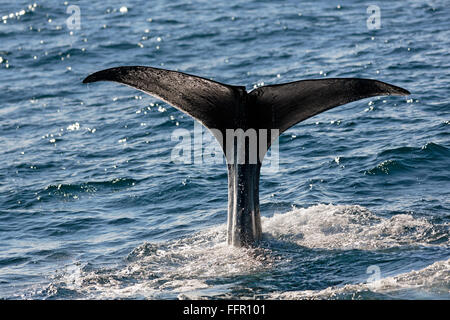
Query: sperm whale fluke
{"type": "Point", "coordinates": [266, 111]}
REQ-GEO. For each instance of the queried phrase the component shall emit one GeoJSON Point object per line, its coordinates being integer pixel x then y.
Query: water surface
{"type": "Point", "coordinates": [92, 207]}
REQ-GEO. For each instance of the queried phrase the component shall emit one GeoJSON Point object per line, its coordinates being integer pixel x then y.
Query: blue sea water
{"type": "Point", "coordinates": [92, 207]}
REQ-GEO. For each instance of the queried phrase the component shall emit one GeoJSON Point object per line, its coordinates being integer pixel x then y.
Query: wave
{"type": "Point", "coordinates": [162, 270]}
{"type": "Point", "coordinates": [204, 266]}
{"type": "Point", "coordinates": [432, 281]}
{"type": "Point", "coordinates": [91, 187]}
{"type": "Point", "coordinates": [428, 150]}
{"type": "Point", "coordinates": [389, 167]}
{"type": "Point", "coordinates": [409, 159]}
{"type": "Point", "coordinates": [352, 227]}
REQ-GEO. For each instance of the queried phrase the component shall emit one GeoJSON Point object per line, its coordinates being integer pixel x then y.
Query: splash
{"type": "Point", "coordinates": [166, 270]}
{"type": "Point", "coordinates": [432, 281]}
{"type": "Point", "coordinates": [351, 227]}
{"type": "Point", "coordinates": [203, 266]}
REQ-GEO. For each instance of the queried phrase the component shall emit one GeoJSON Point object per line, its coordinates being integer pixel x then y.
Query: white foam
{"type": "Point", "coordinates": [348, 227]}
{"type": "Point", "coordinates": [185, 267]}
{"type": "Point", "coordinates": [434, 279]}
{"type": "Point", "coordinates": [178, 267]}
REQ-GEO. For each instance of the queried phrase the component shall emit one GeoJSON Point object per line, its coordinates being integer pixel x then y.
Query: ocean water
{"type": "Point", "coordinates": [92, 207]}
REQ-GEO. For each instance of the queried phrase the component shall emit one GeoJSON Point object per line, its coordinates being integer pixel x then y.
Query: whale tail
{"type": "Point", "coordinates": [221, 107]}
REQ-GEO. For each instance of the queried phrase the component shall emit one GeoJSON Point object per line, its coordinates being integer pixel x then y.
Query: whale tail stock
{"type": "Point", "coordinates": [221, 107]}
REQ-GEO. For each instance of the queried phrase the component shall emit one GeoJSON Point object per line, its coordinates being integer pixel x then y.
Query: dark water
{"type": "Point", "coordinates": [91, 205]}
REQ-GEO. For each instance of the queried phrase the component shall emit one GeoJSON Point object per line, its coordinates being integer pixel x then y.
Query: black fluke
{"type": "Point", "coordinates": [262, 114]}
